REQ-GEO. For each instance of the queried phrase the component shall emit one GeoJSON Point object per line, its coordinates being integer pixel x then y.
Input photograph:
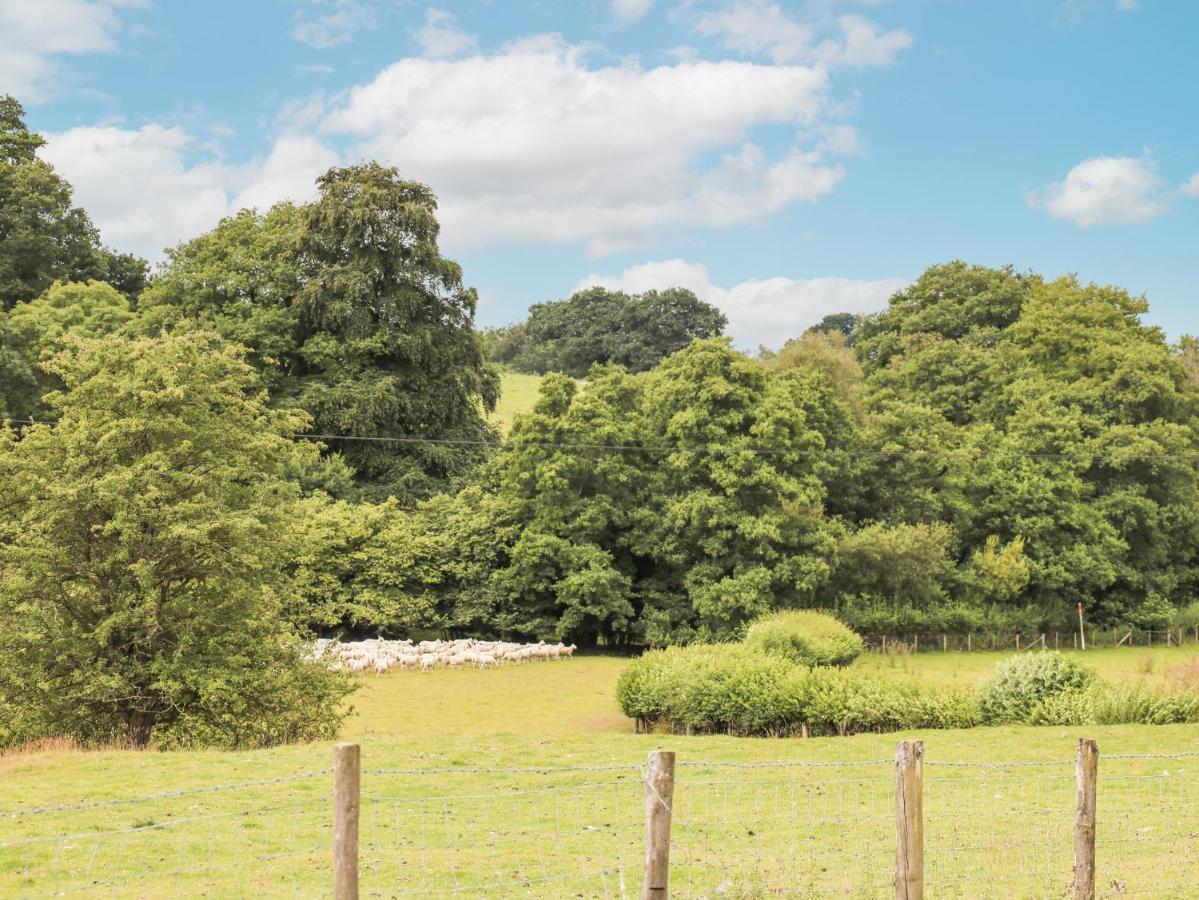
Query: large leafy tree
{"type": "Point", "coordinates": [1046, 413]}
{"type": "Point", "coordinates": [43, 238]}
{"type": "Point", "coordinates": [143, 592]}
{"type": "Point", "coordinates": [657, 507]}
{"type": "Point", "coordinates": [599, 326]}
{"type": "Point", "coordinates": [355, 317]}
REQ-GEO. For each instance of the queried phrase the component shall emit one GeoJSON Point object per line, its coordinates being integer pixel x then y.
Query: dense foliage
{"type": "Point", "coordinates": [354, 317]}
{"type": "Point", "coordinates": [141, 557]}
{"type": "Point", "coordinates": [1021, 683]}
{"type": "Point", "coordinates": [738, 689]}
{"type": "Point", "coordinates": [43, 238]}
{"type": "Point", "coordinates": [734, 689]}
{"type": "Point", "coordinates": [805, 636]}
{"type": "Point", "coordinates": [597, 326]}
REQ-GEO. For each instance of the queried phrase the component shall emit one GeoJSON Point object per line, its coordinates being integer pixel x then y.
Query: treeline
{"type": "Point", "coordinates": [283, 431]}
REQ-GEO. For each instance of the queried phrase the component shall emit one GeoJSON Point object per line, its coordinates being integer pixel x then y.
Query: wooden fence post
{"type": "Point", "coordinates": [347, 770]}
{"type": "Point", "coordinates": [659, 799]}
{"type": "Point", "coordinates": [909, 820]}
{"type": "Point", "coordinates": [1086, 767]}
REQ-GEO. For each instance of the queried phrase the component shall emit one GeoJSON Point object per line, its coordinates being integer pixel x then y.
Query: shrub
{"type": "Point", "coordinates": [1187, 616]}
{"type": "Point", "coordinates": [1021, 682]}
{"type": "Point", "coordinates": [1111, 704]}
{"type": "Point", "coordinates": [734, 689]}
{"type": "Point", "coordinates": [805, 636]}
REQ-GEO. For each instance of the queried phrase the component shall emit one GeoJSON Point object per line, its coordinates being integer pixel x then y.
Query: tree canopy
{"type": "Point", "coordinates": [353, 316]}
{"type": "Point", "coordinates": [598, 326]}
{"type": "Point", "coordinates": [43, 238]}
{"type": "Point", "coordinates": [142, 592]}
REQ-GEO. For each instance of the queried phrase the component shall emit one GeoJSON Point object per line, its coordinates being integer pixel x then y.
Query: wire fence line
{"type": "Point", "coordinates": [952, 641]}
{"type": "Point", "coordinates": [991, 828]}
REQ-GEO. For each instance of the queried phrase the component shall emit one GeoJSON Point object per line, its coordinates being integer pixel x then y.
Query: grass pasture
{"type": "Point", "coordinates": [525, 782]}
{"type": "Point", "coordinates": [518, 393]}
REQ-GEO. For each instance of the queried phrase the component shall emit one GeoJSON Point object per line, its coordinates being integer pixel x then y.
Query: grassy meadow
{"type": "Point", "coordinates": [443, 812]}
{"type": "Point", "coordinates": [518, 393]}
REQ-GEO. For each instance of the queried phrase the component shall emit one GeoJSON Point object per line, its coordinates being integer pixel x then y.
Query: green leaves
{"type": "Point", "coordinates": [143, 546]}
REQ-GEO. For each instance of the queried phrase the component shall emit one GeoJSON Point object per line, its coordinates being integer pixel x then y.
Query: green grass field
{"type": "Point", "coordinates": [753, 817]}
{"type": "Point", "coordinates": [518, 393]}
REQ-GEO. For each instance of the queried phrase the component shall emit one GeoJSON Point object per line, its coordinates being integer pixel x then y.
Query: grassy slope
{"type": "Point", "coordinates": [534, 715]}
{"type": "Point", "coordinates": [518, 393]}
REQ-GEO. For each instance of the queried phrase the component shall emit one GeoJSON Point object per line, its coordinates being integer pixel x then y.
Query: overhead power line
{"type": "Point", "coordinates": [713, 449]}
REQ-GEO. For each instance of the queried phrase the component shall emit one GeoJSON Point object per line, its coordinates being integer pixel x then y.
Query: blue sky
{"type": "Point", "coordinates": [783, 159]}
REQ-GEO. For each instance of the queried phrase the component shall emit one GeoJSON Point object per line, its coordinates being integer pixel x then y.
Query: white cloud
{"type": "Point", "coordinates": [346, 18]}
{"type": "Point", "coordinates": [531, 144]}
{"type": "Point", "coordinates": [144, 194]}
{"type": "Point", "coordinates": [630, 10]}
{"type": "Point", "coordinates": [440, 38]}
{"type": "Point", "coordinates": [1190, 187]}
{"type": "Point", "coordinates": [1103, 190]}
{"type": "Point", "coordinates": [35, 33]}
{"type": "Point", "coordinates": [760, 27]}
{"type": "Point", "coordinates": [1126, 5]}
{"type": "Point", "coordinates": [767, 311]}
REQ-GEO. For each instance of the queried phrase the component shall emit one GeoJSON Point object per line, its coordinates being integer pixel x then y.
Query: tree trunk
{"type": "Point", "coordinates": [140, 723]}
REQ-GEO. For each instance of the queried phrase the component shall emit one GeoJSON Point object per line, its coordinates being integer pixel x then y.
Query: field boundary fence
{"type": "Point", "coordinates": [951, 641]}
{"type": "Point", "coordinates": [674, 826]}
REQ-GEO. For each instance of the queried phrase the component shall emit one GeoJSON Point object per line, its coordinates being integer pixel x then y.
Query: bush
{"type": "Point", "coordinates": [1021, 682]}
{"type": "Point", "coordinates": [734, 689]}
{"type": "Point", "coordinates": [805, 636]}
{"type": "Point", "coordinates": [1110, 704]}
{"type": "Point", "coordinates": [1188, 616]}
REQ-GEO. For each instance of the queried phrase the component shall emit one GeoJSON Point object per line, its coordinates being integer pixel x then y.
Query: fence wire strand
{"type": "Point", "coordinates": [791, 828]}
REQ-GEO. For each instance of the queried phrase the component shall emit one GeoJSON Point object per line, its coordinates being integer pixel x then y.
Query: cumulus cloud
{"type": "Point", "coordinates": [760, 27]}
{"type": "Point", "coordinates": [761, 312]}
{"type": "Point", "coordinates": [34, 34]}
{"type": "Point", "coordinates": [532, 144]}
{"type": "Point", "coordinates": [630, 10]}
{"type": "Point", "coordinates": [143, 193]}
{"type": "Point", "coordinates": [1103, 190]}
{"type": "Point", "coordinates": [441, 38]}
{"type": "Point", "coordinates": [344, 19]}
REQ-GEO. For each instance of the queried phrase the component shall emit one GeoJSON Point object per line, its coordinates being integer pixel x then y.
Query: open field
{"type": "Point", "coordinates": [439, 815]}
{"type": "Point", "coordinates": [518, 393]}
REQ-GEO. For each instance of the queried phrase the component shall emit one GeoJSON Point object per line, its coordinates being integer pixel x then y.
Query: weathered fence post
{"type": "Point", "coordinates": [909, 820]}
{"type": "Point", "coordinates": [659, 799]}
{"type": "Point", "coordinates": [347, 769]}
{"type": "Point", "coordinates": [1086, 767]}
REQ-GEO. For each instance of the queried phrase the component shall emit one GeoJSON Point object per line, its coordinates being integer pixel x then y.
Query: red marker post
{"type": "Point", "coordinates": [1082, 632]}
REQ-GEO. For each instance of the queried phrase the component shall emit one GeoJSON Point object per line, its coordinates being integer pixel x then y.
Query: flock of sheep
{"type": "Point", "coordinates": [378, 655]}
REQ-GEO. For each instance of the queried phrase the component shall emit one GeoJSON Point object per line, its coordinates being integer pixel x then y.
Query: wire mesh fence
{"type": "Point", "coordinates": [733, 829]}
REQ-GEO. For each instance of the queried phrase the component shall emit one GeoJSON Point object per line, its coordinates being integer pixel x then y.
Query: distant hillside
{"type": "Point", "coordinates": [518, 393]}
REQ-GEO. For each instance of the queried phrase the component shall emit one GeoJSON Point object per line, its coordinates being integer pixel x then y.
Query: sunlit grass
{"type": "Point", "coordinates": [751, 830]}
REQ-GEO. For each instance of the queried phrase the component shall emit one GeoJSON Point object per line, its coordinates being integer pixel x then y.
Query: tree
{"type": "Point", "coordinates": [1046, 412]}
{"type": "Point", "coordinates": [142, 542]}
{"type": "Point", "coordinates": [599, 326]}
{"type": "Point", "coordinates": [42, 326]}
{"type": "Point", "coordinates": [837, 323]}
{"type": "Point", "coordinates": [43, 238]}
{"type": "Point", "coordinates": [353, 316]}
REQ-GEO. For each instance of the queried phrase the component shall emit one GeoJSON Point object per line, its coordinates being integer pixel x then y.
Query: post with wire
{"type": "Point", "coordinates": [347, 770]}
{"type": "Point", "coordinates": [659, 799]}
{"type": "Point", "coordinates": [1086, 769]}
{"type": "Point", "coordinates": [909, 820]}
